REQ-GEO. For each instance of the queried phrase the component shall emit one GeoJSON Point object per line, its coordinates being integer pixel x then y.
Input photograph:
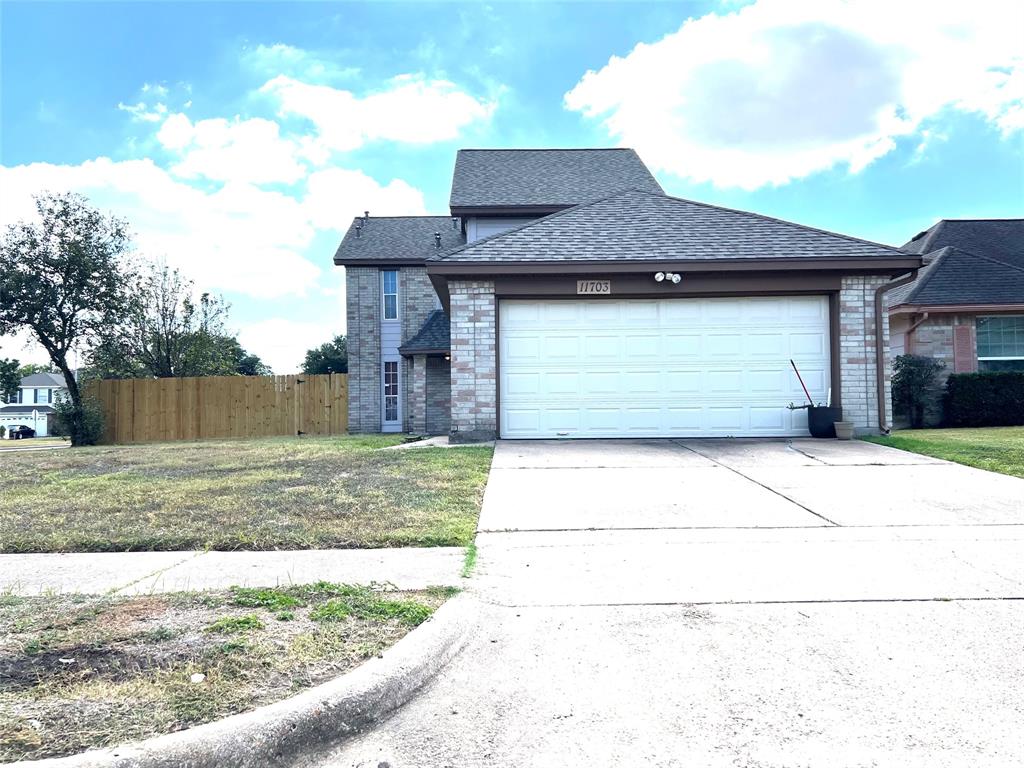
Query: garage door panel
{"type": "Point", "coordinates": [689, 367]}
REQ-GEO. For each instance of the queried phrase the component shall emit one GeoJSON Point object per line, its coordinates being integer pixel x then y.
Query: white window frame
{"type": "Point", "coordinates": [991, 358]}
{"type": "Point", "coordinates": [384, 294]}
{"type": "Point", "coordinates": [396, 395]}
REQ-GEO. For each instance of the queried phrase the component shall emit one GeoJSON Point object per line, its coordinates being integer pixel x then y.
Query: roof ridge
{"type": "Point", "coordinates": [929, 273]}
{"type": "Point", "coordinates": [986, 257]}
{"type": "Point", "coordinates": [777, 221]}
{"type": "Point", "coordinates": [411, 216]}
{"type": "Point", "coordinates": [547, 149]}
{"type": "Point", "coordinates": [532, 222]}
{"type": "Point", "coordinates": [1009, 218]}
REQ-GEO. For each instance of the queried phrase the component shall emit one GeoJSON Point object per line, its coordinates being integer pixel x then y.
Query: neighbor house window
{"type": "Point", "coordinates": [1001, 343]}
{"type": "Point", "coordinates": [391, 390]}
{"type": "Point", "coordinates": [40, 396]}
{"type": "Point", "coordinates": [390, 289]}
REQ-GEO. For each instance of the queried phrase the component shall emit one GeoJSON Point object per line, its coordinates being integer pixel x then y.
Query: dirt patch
{"type": "Point", "coordinates": [80, 672]}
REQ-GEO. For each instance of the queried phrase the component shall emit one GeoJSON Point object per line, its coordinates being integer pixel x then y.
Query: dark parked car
{"type": "Point", "coordinates": [19, 431]}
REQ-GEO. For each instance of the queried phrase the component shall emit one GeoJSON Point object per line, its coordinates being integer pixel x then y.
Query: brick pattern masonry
{"type": "Point", "coordinates": [474, 392]}
{"type": "Point", "coordinates": [363, 310]}
{"type": "Point", "coordinates": [857, 352]}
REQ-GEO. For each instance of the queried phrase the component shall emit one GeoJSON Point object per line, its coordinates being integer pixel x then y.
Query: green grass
{"type": "Point", "coordinates": [88, 671]}
{"type": "Point", "coordinates": [469, 561]}
{"type": "Point", "coordinates": [999, 449]}
{"type": "Point", "coordinates": [232, 625]}
{"type": "Point", "coordinates": [271, 493]}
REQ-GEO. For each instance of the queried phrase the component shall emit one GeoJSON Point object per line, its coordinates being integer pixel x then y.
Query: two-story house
{"type": "Point", "coordinates": [33, 403]}
{"type": "Point", "coordinates": [566, 295]}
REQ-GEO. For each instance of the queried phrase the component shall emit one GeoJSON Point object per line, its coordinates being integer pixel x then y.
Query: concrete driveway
{"type": "Point", "coordinates": [740, 603]}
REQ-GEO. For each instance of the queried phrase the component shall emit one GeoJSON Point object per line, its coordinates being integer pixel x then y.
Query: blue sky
{"type": "Point", "coordinates": [240, 138]}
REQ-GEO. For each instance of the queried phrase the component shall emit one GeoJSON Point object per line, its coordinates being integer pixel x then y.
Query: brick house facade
{"type": "Point", "coordinates": [568, 296]}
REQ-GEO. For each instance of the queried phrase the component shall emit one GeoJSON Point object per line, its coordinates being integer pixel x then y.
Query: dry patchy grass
{"type": "Point", "coordinates": [272, 493]}
{"type": "Point", "coordinates": [79, 672]}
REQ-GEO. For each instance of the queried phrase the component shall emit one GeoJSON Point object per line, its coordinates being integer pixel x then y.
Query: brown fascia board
{"type": "Point", "coordinates": [913, 309]}
{"type": "Point", "coordinates": [379, 262]}
{"type": "Point", "coordinates": [895, 265]}
{"type": "Point", "coordinates": [507, 210]}
{"type": "Point", "coordinates": [430, 352]}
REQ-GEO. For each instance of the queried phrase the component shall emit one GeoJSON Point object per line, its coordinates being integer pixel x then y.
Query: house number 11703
{"type": "Point", "coordinates": [593, 286]}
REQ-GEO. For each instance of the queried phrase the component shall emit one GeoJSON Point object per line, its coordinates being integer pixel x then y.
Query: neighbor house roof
{"type": "Point", "coordinates": [637, 225]}
{"type": "Point", "coordinates": [398, 239]}
{"type": "Point", "coordinates": [24, 409]}
{"type": "Point", "coordinates": [434, 336]}
{"type": "Point", "coordinates": [44, 380]}
{"type": "Point", "coordinates": [957, 278]}
{"type": "Point", "coordinates": [544, 179]}
{"type": "Point", "coordinates": [1000, 239]}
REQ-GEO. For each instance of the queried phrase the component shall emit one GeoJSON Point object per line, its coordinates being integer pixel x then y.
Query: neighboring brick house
{"type": "Point", "coordinates": [966, 308]}
{"type": "Point", "coordinates": [585, 302]}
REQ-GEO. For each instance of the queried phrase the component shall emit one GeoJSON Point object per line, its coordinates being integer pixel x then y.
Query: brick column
{"type": "Point", "coordinates": [474, 385]}
{"type": "Point", "coordinates": [857, 352]}
{"type": "Point", "coordinates": [418, 395]}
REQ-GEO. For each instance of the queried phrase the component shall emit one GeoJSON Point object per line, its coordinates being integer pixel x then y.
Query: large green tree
{"type": "Point", "coordinates": [329, 357]}
{"type": "Point", "coordinates": [10, 378]}
{"type": "Point", "coordinates": [172, 333]}
{"type": "Point", "coordinates": [65, 278]}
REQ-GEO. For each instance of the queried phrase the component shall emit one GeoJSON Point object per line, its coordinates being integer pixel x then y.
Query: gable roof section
{"type": "Point", "coordinates": [44, 380]}
{"type": "Point", "coordinates": [1000, 239]}
{"type": "Point", "coordinates": [433, 336]}
{"type": "Point", "coordinates": [549, 179]}
{"type": "Point", "coordinates": [637, 225]}
{"type": "Point", "coordinates": [955, 277]}
{"type": "Point", "coordinates": [398, 239]}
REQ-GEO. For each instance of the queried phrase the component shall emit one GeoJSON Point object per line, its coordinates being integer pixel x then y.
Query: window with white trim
{"type": "Point", "coordinates": [1001, 343]}
{"type": "Point", "coordinates": [391, 390]}
{"type": "Point", "coordinates": [389, 288]}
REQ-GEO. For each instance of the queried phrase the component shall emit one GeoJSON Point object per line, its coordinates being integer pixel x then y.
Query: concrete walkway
{"type": "Point", "coordinates": [134, 573]}
{"type": "Point", "coordinates": [730, 602]}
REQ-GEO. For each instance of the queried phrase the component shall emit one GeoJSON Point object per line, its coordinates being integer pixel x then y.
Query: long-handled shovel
{"type": "Point", "coordinates": [801, 380]}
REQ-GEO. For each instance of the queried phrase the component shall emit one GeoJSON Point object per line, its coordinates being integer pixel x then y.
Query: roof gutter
{"type": "Point", "coordinates": [880, 348]}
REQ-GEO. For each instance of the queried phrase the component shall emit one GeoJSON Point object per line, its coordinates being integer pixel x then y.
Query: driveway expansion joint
{"type": "Point", "coordinates": [762, 485]}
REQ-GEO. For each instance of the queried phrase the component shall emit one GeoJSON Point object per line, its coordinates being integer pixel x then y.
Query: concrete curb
{"type": "Point", "coordinates": [310, 722]}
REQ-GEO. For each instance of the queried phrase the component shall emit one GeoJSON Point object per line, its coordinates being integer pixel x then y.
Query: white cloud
{"type": "Point", "coordinates": [237, 150]}
{"type": "Point", "coordinates": [784, 88]}
{"type": "Point", "coordinates": [282, 343]}
{"type": "Point", "coordinates": [281, 58]}
{"type": "Point", "coordinates": [412, 109]}
{"type": "Point", "coordinates": [142, 112]}
{"type": "Point", "coordinates": [238, 238]}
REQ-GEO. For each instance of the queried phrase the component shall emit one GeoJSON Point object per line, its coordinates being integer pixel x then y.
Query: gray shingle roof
{"type": "Point", "coordinates": [24, 409]}
{"type": "Point", "coordinates": [433, 336]}
{"type": "Point", "coordinates": [397, 238]}
{"type": "Point", "coordinates": [640, 226]}
{"type": "Point", "coordinates": [43, 380]}
{"type": "Point", "coordinates": [1001, 239]}
{"type": "Point", "coordinates": [957, 277]}
{"type": "Point", "coordinates": [545, 178]}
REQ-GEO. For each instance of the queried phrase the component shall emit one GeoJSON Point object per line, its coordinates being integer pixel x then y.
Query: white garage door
{"type": "Point", "coordinates": [660, 367]}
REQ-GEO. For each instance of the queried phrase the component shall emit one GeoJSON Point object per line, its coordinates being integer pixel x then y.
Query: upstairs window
{"type": "Point", "coordinates": [1001, 343]}
{"type": "Point", "coordinates": [389, 285]}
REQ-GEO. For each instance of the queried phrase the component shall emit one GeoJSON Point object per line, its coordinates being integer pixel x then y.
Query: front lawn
{"type": "Point", "coordinates": [85, 671]}
{"type": "Point", "coordinates": [999, 449]}
{"type": "Point", "coordinates": [269, 493]}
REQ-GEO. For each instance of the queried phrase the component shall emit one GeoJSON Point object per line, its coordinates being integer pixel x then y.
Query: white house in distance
{"type": "Point", "coordinates": [33, 404]}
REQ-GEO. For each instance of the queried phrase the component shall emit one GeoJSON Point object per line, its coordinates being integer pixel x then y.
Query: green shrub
{"type": "Point", "coordinates": [915, 390]}
{"type": "Point", "coordinates": [89, 421]}
{"type": "Point", "coordinates": [990, 399]}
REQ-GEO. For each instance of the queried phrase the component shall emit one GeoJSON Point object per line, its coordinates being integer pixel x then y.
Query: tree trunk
{"type": "Point", "coordinates": [76, 427]}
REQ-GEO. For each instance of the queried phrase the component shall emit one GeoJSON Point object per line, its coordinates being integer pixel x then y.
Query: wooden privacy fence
{"type": "Point", "coordinates": [150, 410]}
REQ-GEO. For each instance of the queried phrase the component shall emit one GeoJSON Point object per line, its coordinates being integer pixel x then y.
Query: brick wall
{"type": "Point", "coordinates": [857, 352]}
{"type": "Point", "coordinates": [362, 285]}
{"type": "Point", "coordinates": [439, 402]}
{"type": "Point", "coordinates": [418, 300]}
{"type": "Point", "coordinates": [473, 379]}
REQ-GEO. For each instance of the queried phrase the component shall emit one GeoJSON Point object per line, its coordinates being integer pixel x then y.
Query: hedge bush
{"type": "Point", "coordinates": [991, 399]}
